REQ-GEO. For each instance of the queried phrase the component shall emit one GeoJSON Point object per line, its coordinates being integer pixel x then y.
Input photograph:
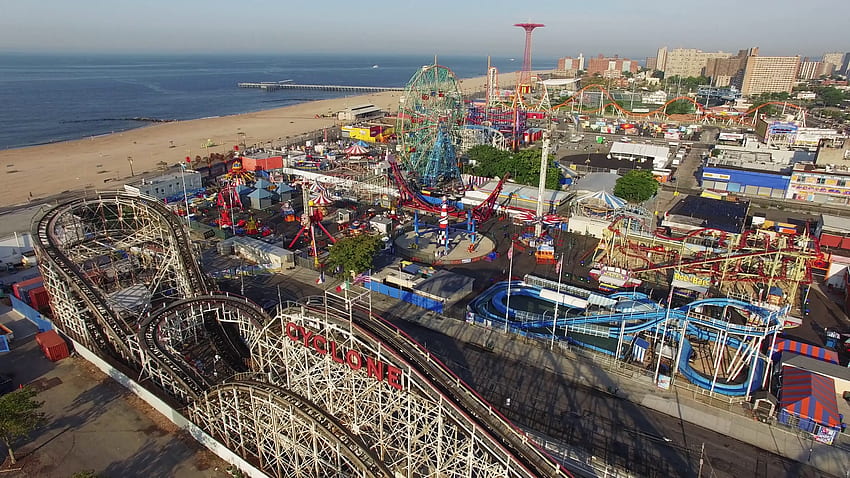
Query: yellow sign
{"type": "Point", "coordinates": [691, 278]}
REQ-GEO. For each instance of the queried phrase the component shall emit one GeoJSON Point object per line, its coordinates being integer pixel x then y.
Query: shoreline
{"type": "Point", "coordinates": [104, 162]}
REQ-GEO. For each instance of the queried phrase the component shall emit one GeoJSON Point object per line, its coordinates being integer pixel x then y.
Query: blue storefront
{"type": "Point", "coordinates": [745, 181]}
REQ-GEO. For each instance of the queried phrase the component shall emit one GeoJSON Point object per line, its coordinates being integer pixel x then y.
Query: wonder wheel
{"type": "Point", "coordinates": [430, 118]}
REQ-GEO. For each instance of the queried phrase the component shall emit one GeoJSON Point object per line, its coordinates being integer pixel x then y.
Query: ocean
{"type": "Point", "coordinates": [50, 98]}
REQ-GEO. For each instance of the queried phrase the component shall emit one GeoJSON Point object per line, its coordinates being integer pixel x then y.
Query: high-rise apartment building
{"type": "Point", "coordinates": [611, 67]}
{"type": "Point", "coordinates": [571, 65]}
{"type": "Point", "coordinates": [833, 59]}
{"type": "Point", "coordinates": [810, 70]}
{"type": "Point", "coordinates": [685, 62]}
{"type": "Point", "coordinates": [728, 71]}
{"type": "Point", "coordinates": [768, 74]}
{"type": "Point", "coordinates": [661, 58]}
{"type": "Point", "coordinates": [651, 63]}
{"type": "Point", "coordinates": [844, 69]}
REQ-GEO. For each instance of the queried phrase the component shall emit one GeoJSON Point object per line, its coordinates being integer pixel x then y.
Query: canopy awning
{"type": "Point", "coordinates": [809, 395]}
{"type": "Point", "coordinates": [604, 197]}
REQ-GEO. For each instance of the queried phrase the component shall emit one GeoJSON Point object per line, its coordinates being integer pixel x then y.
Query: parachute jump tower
{"type": "Point", "coordinates": [523, 84]}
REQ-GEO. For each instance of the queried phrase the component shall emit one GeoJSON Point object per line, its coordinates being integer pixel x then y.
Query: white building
{"type": "Point", "coordinates": [259, 252]}
{"type": "Point", "coordinates": [360, 113]}
{"type": "Point", "coordinates": [167, 185]}
{"type": "Point", "coordinates": [655, 98]}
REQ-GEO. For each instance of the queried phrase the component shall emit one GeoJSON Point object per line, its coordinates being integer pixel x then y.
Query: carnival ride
{"type": "Point", "coordinates": [718, 341]}
{"type": "Point", "coordinates": [701, 112]}
{"type": "Point", "coordinates": [430, 118]}
{"type": "Point", "coordinates": [323, 388]}
{"type": "Point", "coordinates": [311, 218]}
{"type": "Point", "coordinates": [749, 266]}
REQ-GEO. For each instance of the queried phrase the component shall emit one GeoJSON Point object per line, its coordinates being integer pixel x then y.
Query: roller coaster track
{"type": "Point", "coordinates": [351, 445]}
{"type": "Point", "coordinates": [471, 405]}
{"type": "Point", "coordinates": [662, 109]}
{"type": "Point", "coordinates": [163, 343]}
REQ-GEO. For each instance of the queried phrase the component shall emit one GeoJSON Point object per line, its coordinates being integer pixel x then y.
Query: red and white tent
{"type": "Point", "coordinates": [322, 199]}
{"type": "Point", "coordinates": [356, 150]}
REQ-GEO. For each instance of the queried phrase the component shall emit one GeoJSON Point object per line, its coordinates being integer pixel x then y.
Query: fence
{"type": "Point", "coordinates": [409, 297]}
{"type": "Point", "coordinates": [31, 314]}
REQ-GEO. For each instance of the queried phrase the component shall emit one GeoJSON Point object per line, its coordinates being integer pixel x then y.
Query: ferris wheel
{"type": "Point", "coordinates": [430, 118]}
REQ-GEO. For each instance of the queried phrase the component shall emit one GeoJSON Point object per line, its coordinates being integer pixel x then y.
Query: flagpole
{"type": "Point", "coordinates": [510, 273]}
{"type": "Point", "coordinates": [560, 268]}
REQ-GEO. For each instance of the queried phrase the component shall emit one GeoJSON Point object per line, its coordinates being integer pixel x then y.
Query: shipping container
{"type": "Point", "coordinates": [52, 345]}
{"type": "Point", "coordinates": [39, 298]}
{"type": "Point", "coordinates": [18, 287]}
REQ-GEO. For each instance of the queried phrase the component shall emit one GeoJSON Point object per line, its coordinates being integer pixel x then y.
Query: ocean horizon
{"type": "Point", "coordinates": [49, 98]}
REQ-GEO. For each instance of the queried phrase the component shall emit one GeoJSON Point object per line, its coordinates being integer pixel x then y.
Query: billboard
{"type": "Point", "coordinates": [731, 137]}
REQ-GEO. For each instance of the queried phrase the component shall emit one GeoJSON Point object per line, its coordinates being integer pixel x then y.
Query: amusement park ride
{"type": "Point", "coordinates": [761, 266]}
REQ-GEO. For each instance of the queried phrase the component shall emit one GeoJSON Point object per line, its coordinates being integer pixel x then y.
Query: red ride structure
{"type": "Point", "coordinates": [523, 85]}
{"type": "Point", "coordinates": [411, 198]}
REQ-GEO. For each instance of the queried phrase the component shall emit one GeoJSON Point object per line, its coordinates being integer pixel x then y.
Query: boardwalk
{"type": "Point", "coordinates": [281, 85]}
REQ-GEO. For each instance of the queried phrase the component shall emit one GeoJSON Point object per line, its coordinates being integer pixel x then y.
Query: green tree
{"type": "Point", "coordinates": [487, 160]}
{"type": "Point", "coordinates": [523, 166]}
{"type": "Point", "coordinates": [636, 186]}
{"type": "Point", "coordinates": [85, 474]}
{"type": "Point", "coordinates": [19, 416]}
{"type": "Point", "coordinates": [680, 107]}
{"type": "Point", "coordinates": [830, 96]}
{"type": "Point", "coordinates": [353, 253]}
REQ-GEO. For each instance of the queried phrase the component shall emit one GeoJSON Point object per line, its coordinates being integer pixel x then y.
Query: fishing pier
{"type": "Point", "coordinates": [288, 85]}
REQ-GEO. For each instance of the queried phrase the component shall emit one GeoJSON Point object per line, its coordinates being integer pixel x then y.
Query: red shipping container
{"type": "Point", "coordinates": [52, 345]}
{"type": "Point", "coordinates": [17, 286]}
{"type": "Point", "coordinates": [39, 298]}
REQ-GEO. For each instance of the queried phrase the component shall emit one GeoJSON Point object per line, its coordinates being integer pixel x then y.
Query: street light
{"type": "Point", "coordinates": [130, 160]}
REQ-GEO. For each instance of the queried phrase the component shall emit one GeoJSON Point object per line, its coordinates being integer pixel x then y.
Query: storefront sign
{"type": "Point", "coordinates": [691, 279]}
{"type": "Point", "coordinates": [821, 189]}
{"type": "Point", "coordinates": [372, 367]}
{"type": "Point", "coordinates": [724, 177]}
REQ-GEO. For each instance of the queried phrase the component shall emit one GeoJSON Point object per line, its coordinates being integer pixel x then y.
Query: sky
{"type": "Point", "coordinates": [634, 29]}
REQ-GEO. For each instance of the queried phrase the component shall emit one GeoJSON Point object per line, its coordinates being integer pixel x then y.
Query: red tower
{"type": "Point", "coordinates": [524, 80]}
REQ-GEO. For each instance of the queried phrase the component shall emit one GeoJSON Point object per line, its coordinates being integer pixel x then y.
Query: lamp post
{"type": "Point", "coordinates": [130, 160]}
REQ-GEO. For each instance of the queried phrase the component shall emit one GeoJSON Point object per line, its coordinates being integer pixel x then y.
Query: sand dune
{"type": "Point", "coordinates": [103, 162]}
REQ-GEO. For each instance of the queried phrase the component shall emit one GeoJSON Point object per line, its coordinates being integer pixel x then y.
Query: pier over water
{"type": "Point", "coordinates": [287, 84]}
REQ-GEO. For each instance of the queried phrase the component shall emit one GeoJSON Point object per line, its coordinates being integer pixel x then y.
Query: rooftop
{"type": "Point", "coordinates": [711, 213]}
{"type": "Point", "coordinates": [643, 150]}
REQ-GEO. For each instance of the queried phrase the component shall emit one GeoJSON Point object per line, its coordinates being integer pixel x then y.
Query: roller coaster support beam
{"type": "Point", "coordinates": [470, 226]}
{"type": "Point", "coordinates": [541, 188]}
{"type": "Point", "coordinates": [416, 227]}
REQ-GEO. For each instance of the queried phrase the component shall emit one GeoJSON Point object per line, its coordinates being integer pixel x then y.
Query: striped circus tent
{"type": "Point", "coordinates": [809, 396]}
{"type": "Point", "coordinates": [603, 197]}
{"type": "Point", "coordinates": [356, 150]}
{"type": "Point", "coordinates": [322, 199]}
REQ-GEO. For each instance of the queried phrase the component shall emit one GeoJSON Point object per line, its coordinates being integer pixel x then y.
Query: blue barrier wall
{"type": "Point", "coordinates": [31, 314]}
{"type": "Point", "coordinates": [409, 297]}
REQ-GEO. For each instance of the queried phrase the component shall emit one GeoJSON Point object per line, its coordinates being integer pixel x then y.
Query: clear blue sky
{"type": "Point", "coordinates": [463, 27]}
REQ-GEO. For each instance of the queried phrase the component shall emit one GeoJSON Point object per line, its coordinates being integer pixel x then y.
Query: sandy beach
{"type": "Point", "coordinates": [104, 162]}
